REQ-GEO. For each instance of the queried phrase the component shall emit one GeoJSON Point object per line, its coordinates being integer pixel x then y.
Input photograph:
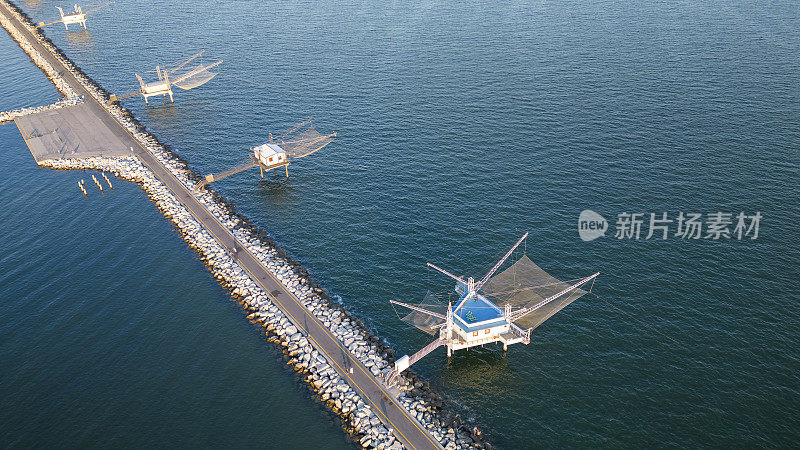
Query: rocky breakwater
{"type": "Point", "coordinates": [331, 388]}
{"type": "Point", "coordinates": [339, 396]}
{"type": "Point", "coordinates": [357, 416]}
{"type": "Point", "coordinates": [70, 97]}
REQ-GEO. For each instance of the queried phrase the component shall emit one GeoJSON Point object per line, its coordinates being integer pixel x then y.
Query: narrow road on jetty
{"type": "Point", "coordinates": [383, 403]}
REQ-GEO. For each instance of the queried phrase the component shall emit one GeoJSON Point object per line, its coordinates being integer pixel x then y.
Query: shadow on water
{"type": "Point", "coordinates": [164, 111]}
{"type": "Point", "coordinates": [164, 115]}
{"type": "Point", "coordinates": [482, 370]}
{"type": "Point", "coordinates": [82, 37]}
{"type": "Point", "coordinates": [275, 187]}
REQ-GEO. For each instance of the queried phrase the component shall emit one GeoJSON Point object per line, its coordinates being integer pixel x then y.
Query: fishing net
{"type": "Point", "coordinates": [192, 77]}
{"type": "Point", "coordinates": [524, 285]}
{"type": "Point", "coordinates": [427, 322]}
{"type": "Point", "coordinates": [304, 140]}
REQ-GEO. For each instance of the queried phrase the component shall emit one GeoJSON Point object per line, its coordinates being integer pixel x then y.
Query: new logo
{"type": "Point", "coordinates": [591, 225]}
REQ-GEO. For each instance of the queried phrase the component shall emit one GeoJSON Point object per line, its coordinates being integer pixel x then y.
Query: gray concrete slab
{"type": "Point", "coordinates": [70, 132]}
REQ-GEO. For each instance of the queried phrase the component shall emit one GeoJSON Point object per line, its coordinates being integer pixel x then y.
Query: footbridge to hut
{"type": "Point", "coordinates": [89, 130]}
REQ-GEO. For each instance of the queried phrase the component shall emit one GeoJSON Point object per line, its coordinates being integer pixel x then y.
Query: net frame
{"type": "Point", "coordinates": [193, 77]}
{"type": "Point", "coordinates": [426, 322]}
{"type": "Point", "coordinates": [304, 141]}
{"type": "Point", "coordinates": [523, 285]}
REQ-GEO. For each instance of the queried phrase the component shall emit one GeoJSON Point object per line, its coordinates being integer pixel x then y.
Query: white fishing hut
{"type": "Point", "coordinates": [270, 154]}
{"type": "Point", "coordinates": [77, 16]}
{"type": "Point", "coordinates": [300, 141]}
{"type": "Point", "coordinates": [160, 87]}
{"type": "Point", "coordinates": [183, 76]}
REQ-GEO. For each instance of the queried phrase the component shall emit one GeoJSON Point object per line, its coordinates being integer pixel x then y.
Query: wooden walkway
{"type": "Point", "coordinates": [70, 132]}
{"type": "Point", "coordinates": [383, 402]}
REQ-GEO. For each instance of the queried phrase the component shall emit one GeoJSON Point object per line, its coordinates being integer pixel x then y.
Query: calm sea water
{"type": "Point", "coordinates": [464, 125]}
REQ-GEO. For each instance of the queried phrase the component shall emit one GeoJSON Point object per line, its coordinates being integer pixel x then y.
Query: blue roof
{"type": "Point", "coordinates": [477, 314]}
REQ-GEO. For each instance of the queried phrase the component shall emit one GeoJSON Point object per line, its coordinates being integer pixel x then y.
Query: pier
{"type": "Point", "coordinates": [88, 129]}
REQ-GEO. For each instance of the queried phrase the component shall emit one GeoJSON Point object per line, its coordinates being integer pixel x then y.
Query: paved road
{"type": "Point", "coordinates": [384, 404]}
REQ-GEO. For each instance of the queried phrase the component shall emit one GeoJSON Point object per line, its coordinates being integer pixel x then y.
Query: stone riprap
{"type": "Point", "coordinates": [70, 97]}
{"type": "Point", "coordinates": [415, 394]}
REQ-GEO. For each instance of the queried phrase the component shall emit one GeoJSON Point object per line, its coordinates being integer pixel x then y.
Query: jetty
{"type": "Point", "coordinates": [89, 129]}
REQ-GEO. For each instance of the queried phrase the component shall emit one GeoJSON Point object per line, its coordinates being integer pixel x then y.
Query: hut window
{"type": "Point", "coordinates": [270, 159]}
{"type": "Point", "coordinates": [488, 331]}
{"type": "Point", "coordinates": [475, 333]}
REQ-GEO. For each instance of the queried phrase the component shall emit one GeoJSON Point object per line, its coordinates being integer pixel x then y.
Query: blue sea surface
{"type": "Point", "coordinates": [461, 126]}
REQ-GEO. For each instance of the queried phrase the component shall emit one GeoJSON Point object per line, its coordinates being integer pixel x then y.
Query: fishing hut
{"type": "Point", "coordinates": [187, 74]}
{"type": "Point", "coordinates": [502, 308]}
{"type": "Point", "coordinates": [76, 16]}
{"type": "Point", "coordinates": [298, 142]}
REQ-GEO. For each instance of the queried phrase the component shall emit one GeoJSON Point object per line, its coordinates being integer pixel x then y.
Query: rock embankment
{"type": "Point", "coordinates": [70, 97]}
{"type": "Point", "coordinates": [416, 396]}
{"type": "Point", "coordinates": [322, 378]}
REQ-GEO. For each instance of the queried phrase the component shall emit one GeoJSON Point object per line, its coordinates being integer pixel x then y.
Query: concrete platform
{"type": "Point", "coordinates": [70, 132]}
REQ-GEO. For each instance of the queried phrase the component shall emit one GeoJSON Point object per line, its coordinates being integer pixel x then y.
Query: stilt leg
{"type": "Point", "coordinates": [505, 347]}
{"type": "Point", "coordinates": [262, 171]}
{"type": "Point", "coordinates": [287, 171]}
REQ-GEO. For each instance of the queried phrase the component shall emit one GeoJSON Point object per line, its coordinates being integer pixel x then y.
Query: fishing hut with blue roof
{"type": "Point", "coordinates": [501, 308]}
